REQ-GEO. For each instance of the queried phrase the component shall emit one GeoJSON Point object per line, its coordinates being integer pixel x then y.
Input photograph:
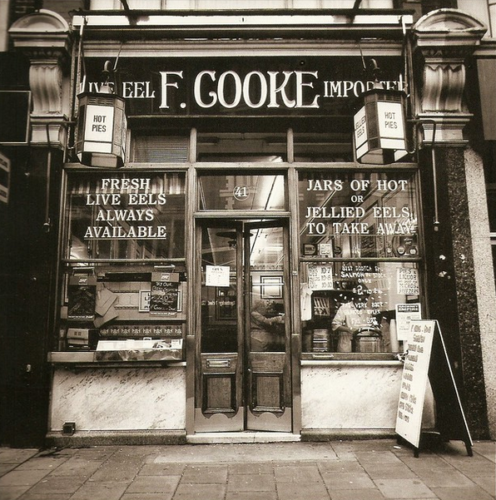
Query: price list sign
{"type": "Point", "coordinates": [414, 381]}
{"type": "Point", "coordinates": [320, 277]}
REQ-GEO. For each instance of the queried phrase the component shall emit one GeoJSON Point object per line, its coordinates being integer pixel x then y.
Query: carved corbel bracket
{"type": "Point", "coordinates": [45, 38]}
{"type": "Point", "coordinates": [443, 40]}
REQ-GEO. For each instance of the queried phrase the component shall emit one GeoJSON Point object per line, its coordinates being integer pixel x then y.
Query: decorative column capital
{"type": "Point", "coordinates": [442, 41]}
{"type": "Point", "coordinates": [45, 38]}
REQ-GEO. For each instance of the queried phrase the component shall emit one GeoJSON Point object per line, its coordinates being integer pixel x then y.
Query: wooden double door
{"type": "Point", "coordinates": [243, 375]}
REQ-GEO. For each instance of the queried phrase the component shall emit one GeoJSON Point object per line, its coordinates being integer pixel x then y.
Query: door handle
{"type": "Point", "coordinates": [218, 363]}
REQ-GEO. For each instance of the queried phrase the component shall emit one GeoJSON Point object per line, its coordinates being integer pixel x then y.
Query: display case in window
{"type": "Point", "coordinates": [124, 312]}
{"type": "Point", "coordinates": [362, 296]}
{"type": "Point", "coordinates": [123, 287]}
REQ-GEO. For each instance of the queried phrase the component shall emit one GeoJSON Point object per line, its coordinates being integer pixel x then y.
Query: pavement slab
{"type": "Point", "coordinates": [251, 483]}
{"type": "Point", "coordinates": [364, 494]}
{"type": "Point", "coordinates": [103, 490]}
{"type": "Point", "coordinates": [154, 484]}
{"type": "Point", "coordinates": [209, 474]}
{"type": "Point", "coordinates": [404, 488]}
{"type": "Point", "coordinates": [302, 491]}
{"type": "Point", "coordinates": [12, 492]}
{"type": "Point", "coordinates": [335, 470]}
{"type": "Point", "coordinates": [200, 492]}
{"type": "Point", "coordinates": [347, 481]}
{"type": "Point", "coordinates": [474, 493]}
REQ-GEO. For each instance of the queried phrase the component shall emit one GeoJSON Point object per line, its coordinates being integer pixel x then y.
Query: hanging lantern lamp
{"type": "Point", "coordinates": [101, 129]}
{"type": "Point", "coordinates": [379, 125]}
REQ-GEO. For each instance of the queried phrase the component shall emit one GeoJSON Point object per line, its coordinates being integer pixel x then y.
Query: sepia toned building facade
{"type": "Point", "coordinates": [210, 239]}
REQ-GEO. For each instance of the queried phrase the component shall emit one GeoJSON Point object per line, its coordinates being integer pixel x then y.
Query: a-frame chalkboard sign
{"type": "Point", "coordinates": [427, 358]}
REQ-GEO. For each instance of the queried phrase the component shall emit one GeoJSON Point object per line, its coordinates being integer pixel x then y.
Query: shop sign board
{"type": "Point", "coordinates": [427, 360]}
{"type": "Point", "coordinates": [245, 86]}
{"type": "Point", "coordinates": [414, 381]}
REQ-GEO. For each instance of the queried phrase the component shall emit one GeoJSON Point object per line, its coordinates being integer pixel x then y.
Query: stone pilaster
{"type": "Point", "coordinates": [45, 38]}
{"type": "Point", "coordinates": [444, 40]}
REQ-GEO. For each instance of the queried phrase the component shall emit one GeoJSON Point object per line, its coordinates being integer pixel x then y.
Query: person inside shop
{"type": "Point", "coordinates": [267, 328]}
{"type": "Point", "coordinates": [352, 317]}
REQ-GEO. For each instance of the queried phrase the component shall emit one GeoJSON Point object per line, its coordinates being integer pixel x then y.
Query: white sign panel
{"type": "Point", "coordinates": [320, 277]}
{"type": "Point", "coordinates": [405, 314]}
{"type": "Point", "coordinates": [408, 281]}
{"type": "Point", "coordinates": [360, 130]}
{"type": "Point", "coordinates": [217, 276]}
{"type": "Point", "coordinates": [414, 381]}
{"type": "Point", "coordinates": [390, 117]}
{"type": "Point", "coordinates": [99, 123]}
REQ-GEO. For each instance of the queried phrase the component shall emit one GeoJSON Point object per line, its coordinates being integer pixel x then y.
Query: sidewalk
{"type": "Point", "coordinates": [338, 470]}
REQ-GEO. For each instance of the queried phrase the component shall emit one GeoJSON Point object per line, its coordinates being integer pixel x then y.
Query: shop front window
{"type": "Point", "coordinates": [263, 192]}
{"type": "Point", "coordinates": [123, 288]}
{"type": "Point", "coordinates": [360, 254]}
{"type": "Point", "coordinates": [125, 216]}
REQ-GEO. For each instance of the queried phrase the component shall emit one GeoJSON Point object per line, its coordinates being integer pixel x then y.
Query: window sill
{"type": "Point", "coordinates": [92, 359]}
{"type": "Point", "coordinates": [352, 358]}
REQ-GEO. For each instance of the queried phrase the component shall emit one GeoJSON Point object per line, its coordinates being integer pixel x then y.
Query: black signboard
{"type": "Point", "coordinates": [164, 295]}
{"type": "Point", "coordinates": [14, 110]}
{"type": "Point", "coordinates": [244, 86]}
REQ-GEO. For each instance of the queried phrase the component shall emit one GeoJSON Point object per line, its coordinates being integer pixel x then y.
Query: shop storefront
{"type": "Point", "coordinates": [230, 260]}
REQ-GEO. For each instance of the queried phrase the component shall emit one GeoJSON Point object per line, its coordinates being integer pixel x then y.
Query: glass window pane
{"type": "Point", "coordinates": [125, 216]}
{"type": "Point", "coordinates": [349, 306]}
{"type": "Point", "coordinates": [322, 147]}
{"type": "Point", "coordinates": [242, 147]}
{"type": "Point", "coordinates": [219, 304]}
{"type": "Point", "coordinates": [356, 215]}
{"type": "Point", "coordinates": [242, 192]}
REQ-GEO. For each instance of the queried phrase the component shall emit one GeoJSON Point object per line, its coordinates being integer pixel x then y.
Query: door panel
{"type": "Point", "coordinates": [244, 378]}
{"type": "Point", "coordinates": [267, 345]}
{"type": "Point", "coordinates": [219, 383]}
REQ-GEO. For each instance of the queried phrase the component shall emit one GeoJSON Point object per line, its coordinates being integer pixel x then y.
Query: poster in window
{"type": "Point", "coordinates": [217, 276]}
{"type": "Point", "coordinates": [408, 281]}
{"type": "Point", "coordinates": [81, 294]}
{"type": "Point", "coordinates": [164, 294]}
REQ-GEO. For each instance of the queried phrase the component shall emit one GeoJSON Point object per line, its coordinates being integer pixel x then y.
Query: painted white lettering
{"type": "Point", "coordinates": [237, 89]}
{"type": "Point", "coordinates": [263, 89]}
{"type": "Point", "coordinates": [275, 90]}
{"type": "Point", "coordinates": [300, 83]}
{"type": "Point", "coordinates": [197, 90]}
{"type": "Point", "coordinates": [166, 84]}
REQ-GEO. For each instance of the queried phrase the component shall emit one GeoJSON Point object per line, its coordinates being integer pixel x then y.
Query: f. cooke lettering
{"type": "Point", "coordinates": [229, 89]}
